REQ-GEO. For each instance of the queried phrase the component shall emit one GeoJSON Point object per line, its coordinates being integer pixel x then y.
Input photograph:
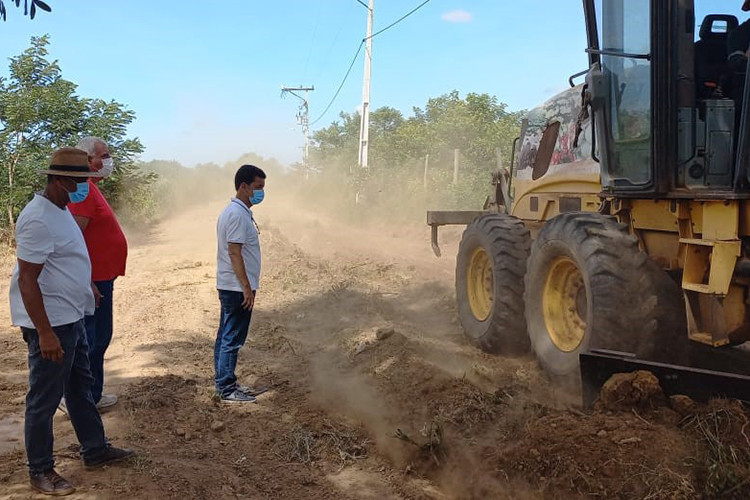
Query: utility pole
{"type": "Point", "coordinates": [303, 118]}
{"type": "Point", "coordinates": [364, 127]}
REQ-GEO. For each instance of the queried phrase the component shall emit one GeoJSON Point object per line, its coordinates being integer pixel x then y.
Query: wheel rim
{"type": "Point", "coordinates": [479, 284]}
{"type": "Point", "coordinates": [565, 305]}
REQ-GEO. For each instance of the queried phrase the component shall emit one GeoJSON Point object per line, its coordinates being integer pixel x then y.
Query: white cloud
{"type": "Point", "coordinates": [457, 16]}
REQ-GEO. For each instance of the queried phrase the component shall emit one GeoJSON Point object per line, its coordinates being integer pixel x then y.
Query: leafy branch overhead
{"type": "Point", "coordinates": [29, 9]}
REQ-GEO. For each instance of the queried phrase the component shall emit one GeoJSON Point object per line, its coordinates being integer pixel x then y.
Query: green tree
{"type": "Point", "coordinates": [477, 125]}
{"type": "Point", "coordinates": [335, 147]}
{"type": "Point", "coordinates": [39, 112]}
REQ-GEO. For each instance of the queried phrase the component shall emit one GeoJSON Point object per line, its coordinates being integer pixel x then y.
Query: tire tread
{"type": "Point", "coordinates": [634, 307]}
{"type": "Point", "coordinates": [508, 242]}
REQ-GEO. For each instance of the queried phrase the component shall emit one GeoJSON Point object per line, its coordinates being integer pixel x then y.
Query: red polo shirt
{"type": "Point", "coordinates": [108, 248]}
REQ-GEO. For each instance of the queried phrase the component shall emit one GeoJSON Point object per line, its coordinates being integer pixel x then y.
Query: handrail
{"type": "Point", "coordinates": [618, 53]}
{"type": "Point", "coordinates": [573, 77]}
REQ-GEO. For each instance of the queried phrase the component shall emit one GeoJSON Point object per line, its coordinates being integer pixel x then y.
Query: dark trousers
{"type": "Point", "coordinates": [233, 327]}
{"type": "Point", "coordinates": [99, 335]}
{"type": "Point", "coordinates": [48, 381]}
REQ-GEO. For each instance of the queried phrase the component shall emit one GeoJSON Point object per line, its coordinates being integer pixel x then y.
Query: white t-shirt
{"type": "Point", "coordinates": [236, 225]}
{"type": "Point", "coordinates": [47, 234]}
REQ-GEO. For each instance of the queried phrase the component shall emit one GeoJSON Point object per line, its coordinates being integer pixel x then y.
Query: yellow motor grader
{"type": "Point", "coordinates": [621, 234]}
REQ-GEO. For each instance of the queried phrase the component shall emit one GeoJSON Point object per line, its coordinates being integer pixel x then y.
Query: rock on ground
{"type": "Point", "coordinates": [624, 391]}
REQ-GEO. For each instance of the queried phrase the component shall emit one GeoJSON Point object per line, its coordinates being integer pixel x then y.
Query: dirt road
{"type": "Point", "coordinates": [374, 391]}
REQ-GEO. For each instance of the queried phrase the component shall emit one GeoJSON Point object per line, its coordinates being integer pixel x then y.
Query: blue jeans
{"type": "Point", "coordinates": [99, 335]}
{"type": "Point", "coordinates": [48, 381]}
{"type": "Point", "coordinates": [233, 327]}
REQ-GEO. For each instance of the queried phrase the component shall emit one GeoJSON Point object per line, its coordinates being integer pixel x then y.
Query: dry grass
{"type": "Point", "coordinates": [348, 443]}
{"type": "Point", "coordinates": [340, 287]}
{"type": "Point", "coordinates": [433, 445]}
{"type": "Point", "coordinates": [469, 407]}
{"type": "Point", "coordinates": [299, 446]}
{"type": "Point", "coordinates": [143, 464]}
{"type": "Point", "coordinates": [660, 483]}
{"type": "Point", "coordinates": [724, 454]}
{"type": "Point", "coordinates": [303, 445]}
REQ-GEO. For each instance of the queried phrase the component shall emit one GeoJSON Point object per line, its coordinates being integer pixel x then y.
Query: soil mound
{"type": "Point", "coordinates": [623, 391]}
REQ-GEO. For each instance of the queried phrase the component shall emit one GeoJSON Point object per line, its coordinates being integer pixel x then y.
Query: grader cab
{"type": "Point", "coordinates": [624, 224]}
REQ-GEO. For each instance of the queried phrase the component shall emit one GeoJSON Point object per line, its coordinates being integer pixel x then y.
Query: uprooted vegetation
{"type": "Point", "coordinates": [723, 460]}
{"type": "Point", "coordinates": [507, 430]}
{"type": "Point", "coordinates": [328, 441]}
{"type": "Point", "coordinates": [652, 448]}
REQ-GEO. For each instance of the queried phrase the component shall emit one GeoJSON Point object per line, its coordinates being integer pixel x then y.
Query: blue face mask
{"type": "Point", "coordinates": [258, 195]}
{"type": "Point", "coordinates": [81, 192]}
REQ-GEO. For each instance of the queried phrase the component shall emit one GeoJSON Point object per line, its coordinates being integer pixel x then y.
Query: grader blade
{"type": "Point", "coordinates": [700, 384]}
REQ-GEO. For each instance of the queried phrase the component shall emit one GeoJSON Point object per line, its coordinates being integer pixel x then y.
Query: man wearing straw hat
{"type": "Point", "coordinates": [50, 293]}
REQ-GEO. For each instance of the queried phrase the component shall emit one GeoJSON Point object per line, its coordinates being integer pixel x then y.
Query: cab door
{"type": "Point", "coordinates": [621, 86]}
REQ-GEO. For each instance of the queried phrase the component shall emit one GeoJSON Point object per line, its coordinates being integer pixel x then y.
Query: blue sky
{"type": "Point", "coordinates": [204, 77]}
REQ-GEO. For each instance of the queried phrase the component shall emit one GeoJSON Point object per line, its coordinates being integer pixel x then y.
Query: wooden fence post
{"type": "Point", "coordinates": [456, 153]}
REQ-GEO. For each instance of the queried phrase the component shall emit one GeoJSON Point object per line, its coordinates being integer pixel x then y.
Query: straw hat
{"type": "Point", "coordinates": [70, 162]}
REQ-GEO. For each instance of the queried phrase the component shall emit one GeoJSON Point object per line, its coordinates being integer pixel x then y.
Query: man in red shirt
{"type": "Point", "coordinates": [108, 250]}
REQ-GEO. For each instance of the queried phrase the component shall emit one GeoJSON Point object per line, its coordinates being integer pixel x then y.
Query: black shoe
{"type": "Point", "coordinates": [111, 455]}
{"type": "Point", "coordinates": [237, 397]}
{"type": "Point", "coordinates": [51, 483]}
{"type": "Point", "coordinates": [252, 391]}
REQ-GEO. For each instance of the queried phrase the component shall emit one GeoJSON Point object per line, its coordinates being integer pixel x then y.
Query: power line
{"type": "Point", "coordinates": [312, 43]}
{"type": "Point", "coordinates": [354, 59]}
{"type": "Point", "coordinates": [359, 49]}
{"type": "Point", "coordinates": [400, 19]}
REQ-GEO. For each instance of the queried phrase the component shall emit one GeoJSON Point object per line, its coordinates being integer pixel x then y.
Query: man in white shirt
{"type": "Point", "coordinates": [50, 293]}
{"type": "Point", "coordinates": [237, 280]}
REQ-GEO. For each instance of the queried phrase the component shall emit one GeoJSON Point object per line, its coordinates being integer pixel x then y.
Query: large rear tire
{"type": "Point", "coordinates": [490, 269]}
{"type": "Point", "coordinates": [589, 286]}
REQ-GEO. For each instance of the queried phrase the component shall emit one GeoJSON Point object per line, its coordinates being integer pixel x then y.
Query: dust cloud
{"type": "Point", "coordinates": [375, 392]}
